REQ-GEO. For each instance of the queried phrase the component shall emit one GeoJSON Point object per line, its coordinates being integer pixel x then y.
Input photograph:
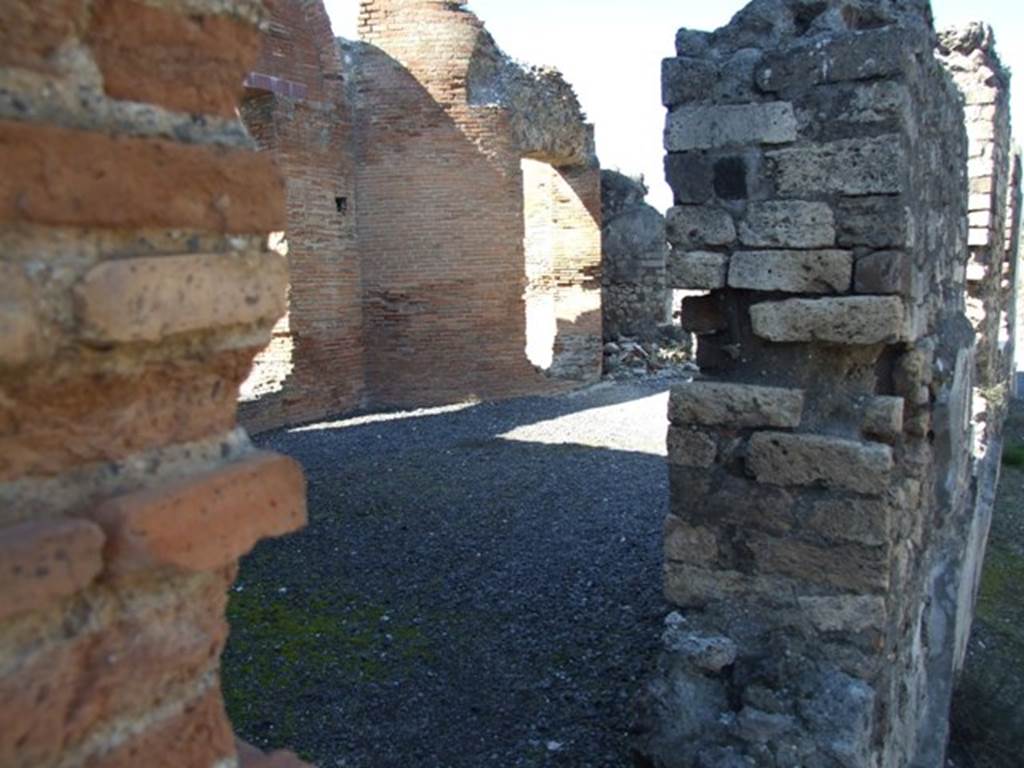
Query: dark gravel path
{"type": "Point", "coordinates": [478, 587]}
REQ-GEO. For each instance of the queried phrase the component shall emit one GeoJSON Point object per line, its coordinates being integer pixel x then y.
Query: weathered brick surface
{"type": "Point", "coordinates": [206, 521]}
{"type": "Point", "coordinates": [186, 62]}
{"type": "Point", "coordinates": [34, 30]}
{"type": "Point", "coordinates": [148, 299]}
{"type": "Point", "coordinates": [43, 561]}
{"type": "Point", "coordinates": [55, 176]}
{"type": "Point", "coordinates": [133, 295]}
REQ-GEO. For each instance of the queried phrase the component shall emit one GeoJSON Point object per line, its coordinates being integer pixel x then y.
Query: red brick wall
{"type": "Point", "coordinates": [136, 289]}
{"type": "Point", "coordinates": [441, 218]}
{"type": "Point", "coordinates": [314, 367]}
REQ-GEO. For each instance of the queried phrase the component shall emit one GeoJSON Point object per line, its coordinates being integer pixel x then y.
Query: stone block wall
{"type": "Point", "coordinates": [137, 287]}
{"type": "Point", "coordinates": [822, 525]}
{"type": "Point", "coordinates": [635, 297]}
{"type": "Point", "coordinates": [296, 110]}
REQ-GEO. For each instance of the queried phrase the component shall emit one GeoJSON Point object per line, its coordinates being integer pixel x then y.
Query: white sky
{"type": "Point", "coordinates": [611, 52]}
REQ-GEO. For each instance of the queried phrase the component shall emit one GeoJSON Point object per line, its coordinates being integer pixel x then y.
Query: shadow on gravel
{"type": "Point", "coordinates": [459, 598]}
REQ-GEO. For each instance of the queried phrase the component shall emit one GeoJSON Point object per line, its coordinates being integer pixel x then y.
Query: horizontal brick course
{"type": "Point", "coordinates": [56, 176]}
{"type": "Point", "coordinates": [206, 521]}
{"type": "Point", "coordinates": [186, 62]}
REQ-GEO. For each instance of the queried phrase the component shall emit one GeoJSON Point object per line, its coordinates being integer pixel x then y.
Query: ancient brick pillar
{"type": "Point", "coordinates": [295, 107]}
{"type": "Point", "coordinates": [137, 287]}
{"type": "Point", "coordinates": [821, 473]}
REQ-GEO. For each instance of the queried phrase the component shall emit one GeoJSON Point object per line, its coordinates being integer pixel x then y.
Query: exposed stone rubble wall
{"type": "Point", "coordinates": [969, 55]}
{"type": "Point", "coordinates": [820, 537]}
{"type": "Point", "coordinates": [635, 299]}
{"type": "Point", "coordinates": [137, 287]}
{"type": "Point", "coordinates": [296, 110]}
{"type": "Point", "coordinates": [478, 212]}
{"type": "Point", "coordinates": [1015, 199]}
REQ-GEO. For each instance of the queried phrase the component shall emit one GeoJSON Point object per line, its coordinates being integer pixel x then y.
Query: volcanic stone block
{"type": "Point", "coordinates": [861, 521]}
{"type": "Point", "coordinates": [864, 56]}
{"type": "Point", "coordinates": [697, 226]}
{"type": "Point", "coordinates": [708, 127]}
{"type": "Point", "coordinates": [792, 271]}
{"type": "Point", "coordinates": [781, 458]}
{"type": "Point", "coordinates": [884, 272]}
{"type": "Point", "coordinates": [690, 175]}
{"type": "Point", "coordinates": [686, 543]}
{"type": "Point", "coordinates": [685, 79]}
{"type": "Point", "coordinates": [847, 567]}
{"type": "Point", "coordinates": [883, 417]}
{"type": "Point", "coordinates": [735, 405]}
{"type": "Point", "coordinates": [869, 166]}
{"type": "Point", "coordinates": [691, 448]}
{"type": "Point", "coordinates": [878, 221]}
{"type": "Point", "coordinates": [698, 270]}
{"type": "Point", "coordinates": [845, 613]}
{"type": "Point", "coordinates": [788, 224]}
{"type": "Point", "coordinates": [702, 314]}
{"type": "Point", "coordinates": [845, 320]}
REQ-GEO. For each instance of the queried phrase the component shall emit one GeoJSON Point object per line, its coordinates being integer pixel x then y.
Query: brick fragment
{"type": "Point", "coordinates": [205, 521]}
{"type": "Point", "coordinates": [147, 299]}
{"type": "Point", "coordinates": [200, 735]}
{"type": "Point", "coordinates": [62, 177]}
{"type": "Point", "coordinates": [44, 561]}
{"type": "Point", "coordinates": [186, 62]}
{"type": "Point", "coordinates": [33, 30]}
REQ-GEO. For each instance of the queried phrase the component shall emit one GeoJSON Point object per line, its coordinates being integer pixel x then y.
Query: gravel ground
{"type": "Point", "coordinates": [477, 586]}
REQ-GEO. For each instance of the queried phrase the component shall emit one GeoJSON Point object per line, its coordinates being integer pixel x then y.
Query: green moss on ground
{"type": "Point", "coordinates": [1013, 455]}
{"type": "Point", "coordinates": [289, 650]}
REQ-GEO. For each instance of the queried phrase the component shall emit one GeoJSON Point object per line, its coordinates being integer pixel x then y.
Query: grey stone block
{"type": "Point", "coordinates": [886, 272]}
{"type": "Point", "coordinates": [781, 458]}
{"type": "Point", "coordinates": [691, 448]}
{"type": "Point", "coordinates": [735, 405]}
{"type": "Point", "coordinates": [697, 226]}
{"type": "Point", "coordinates": [873, 222]}
{"type": "Point", "coordinates": [792, 271]}
{"type": "Point", "coordinates": [708, 127]}
{"type": "Point", "coordinates": [861, 56]}
{"type": "Point", "coordinates": [846, 320]}
{"type": "Point", "coordinates": [691, 177]}
{"type": "Point", "coordinates": [686, 79]}
{"type": "Point", "coordinates": [788, 224]}
{"type": "Point", "coordinates": [873, 166]}
{"type": "Point", "coordinates": [697, 270]}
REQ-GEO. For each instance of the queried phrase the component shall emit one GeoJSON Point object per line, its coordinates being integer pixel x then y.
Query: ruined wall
{"type": "Point", "coordinates": [970, 57]}
{"type": "Point", "coordinates": [635, 297]}
{"type": "Point", "coordinates": [296, 110]}
{"type": "Point", "coordinates": [137, 287]}
{"type": "Point", "coordinates": [822, 499]}
{"type": "Point", "coordinates": [445, 121]}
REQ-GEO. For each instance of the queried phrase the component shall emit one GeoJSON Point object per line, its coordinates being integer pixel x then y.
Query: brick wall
{"type": "Point", "coordinates": [137, 287]}
{"type": "Point", "coordinates": [441, 214]}
{"type": "Point", "coordinates": [295, 108]}
{"type": "Point", "coordinates": [823, 521]}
